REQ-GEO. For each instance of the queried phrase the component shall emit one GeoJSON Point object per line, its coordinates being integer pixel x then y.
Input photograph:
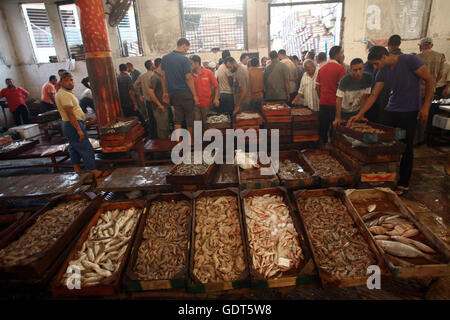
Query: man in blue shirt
{"type": "Point", "coordinates": [402, 74]}
{"type": "Point", "coordinates": [178, 85]}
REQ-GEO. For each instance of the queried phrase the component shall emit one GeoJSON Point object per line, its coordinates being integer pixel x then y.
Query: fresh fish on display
{"type": "Point", "coordinates": [248, 116]}
{"type": "Point", "coordinates": [103, 251]}
{"type": "Point", "coordinates": [364, 127]}
{"type": "Point", "coordinates": [326, 165]}
{"type": "Point", "coordinates": [275, 106]}
{"type": "Point", "coordinates": [289, 170]}
{"type": "Point", "coordinates": [47, 229]}
{"type": "Point", "coordinates": [301, 112]}
{"type": "Point", "coordinates": [219, 118]}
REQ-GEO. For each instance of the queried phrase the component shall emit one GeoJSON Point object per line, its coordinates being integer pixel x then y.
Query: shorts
{"type": "Point", "coordinates": [201, 114]}
{"type": "Point", "coordinates": [183, 103]}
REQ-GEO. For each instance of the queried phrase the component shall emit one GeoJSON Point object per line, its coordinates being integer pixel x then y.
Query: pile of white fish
{"type": "Point", "coordinates": [274, 106]}
{"type": "Point", "coordinates": [340, 248]}
{"type": "Point", "coordinates": [365, 128]}
{"type": "Point", "coordinates": [393, 232]}
{"type": "Point", "coordinates": [163, 250]}
{"type": "Point", "coordinates": [120, 124]}
{"type": "Point", "coordinates": [42, 234]}
{"type": "Point", "coordinates": [103, 251]}
{"type": "Point", "coordinates": [248, 116]}
{"type": "Point", "coordinates": [218, 118]}
{"type": "Point", "coordinates": [218, 247]}
{"type": "Point", "coordinates": [273, 240]}
{"type": "Point", "coordinates": [13, 146]}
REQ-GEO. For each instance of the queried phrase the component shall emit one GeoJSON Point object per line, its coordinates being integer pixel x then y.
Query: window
{"type": "Point", "coordinates": [209, 24]}
{"type": "Point", "coordinates": [312, 26]}
{"type": "Point", "coordinates": [128, 32]}
{"type": "Point", "coordinates": [39, 31]}
{"type": "Point", "coordinates": [71, 26]}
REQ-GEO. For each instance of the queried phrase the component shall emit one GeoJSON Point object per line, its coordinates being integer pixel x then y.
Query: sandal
{"type": "Point", "coordinates": [401, 190]}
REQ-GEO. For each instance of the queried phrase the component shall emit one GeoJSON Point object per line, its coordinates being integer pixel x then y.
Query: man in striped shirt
{"type": "Point", "coordinates": [307, 89]}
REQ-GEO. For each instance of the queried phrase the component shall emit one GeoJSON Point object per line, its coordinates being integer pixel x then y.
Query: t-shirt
{"type": "Point", "coordinates": [292, 74]}
{"type": "Point", "coordinates": [14, 97]}
{"type": "Point", "coordinates": [156, 85]}
{"type": "Point", "coordinates": [308, 90]}
{"type": "Point", "coordinates": [203, 83]}
{"type": "Point", "coordinates": [225, 79]}
{"type": "Point", "coordinates": [445, 76]}
{"type": "Point", "coordinates": [125, 84]}
{"type": "Point", "coordinates": [66, 98]}
{"type": "Point", "coordinates": [351, 91]}
{"type": "Point", "coordinates": [240, 80]}
{"type": "Point", "coordinates": [256, 76]}
{"type": "Point", "coordinates": [403, 83]}
{"type": "Point", "coordinates": [142, 84]}
{"type": "Point", "coordinates": [275, 76]}
{"type": "Point", "coordinates": [434, 61]}
{"type": "Point", "coordinates": [176, 65]}
{"type": "Point", "coordinates": [45, 92]}
{"type": "Point", "coordinates": [58, 86]}
{"type": "Point", "coordinates": [328, 77]}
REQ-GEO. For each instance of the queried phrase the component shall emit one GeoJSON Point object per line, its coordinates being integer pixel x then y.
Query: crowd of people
{"type": "Point", "coordinates": [388, 87]}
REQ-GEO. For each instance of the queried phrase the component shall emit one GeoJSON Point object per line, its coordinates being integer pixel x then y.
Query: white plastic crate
{"type": "Point", "coordinates": [441, 121]}
{"type": "Point", "coordinates": [27, 131]}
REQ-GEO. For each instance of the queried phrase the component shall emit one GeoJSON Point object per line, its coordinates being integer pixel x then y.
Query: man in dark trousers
{"type": "Point", "coordinates": [327, 81]}
{"type": "Point", "coordinates": [402, 73]}
{"type": "Point", "coordinates": [178, 85]}
{"type": "Point", "coordinates": [15, 96]}
{"type": "Point", "coordinates": [127, 96]}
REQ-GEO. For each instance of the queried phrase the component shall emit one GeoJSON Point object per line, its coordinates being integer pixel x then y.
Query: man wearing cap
{"type": "Point", "coordinates": [434, 61]}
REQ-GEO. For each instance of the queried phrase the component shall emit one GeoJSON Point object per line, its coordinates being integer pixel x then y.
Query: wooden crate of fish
{"type": "Point", "coordinates": [333, 169]}
{"type": "Point", "coordinates": [30, 250]}
{"type": "Point", "coordinates": [248, 118]}
{"type": "Point", "coordinates": [302, 139]}
{"type": "Point", "coordinates": [253, 179]}
{"type": "Point", "coordinates": [218, 259]}
{"type": "Point", "coordinates": [120, 125]}
{"type": "Point", "coordinates": [409, 247]}
{"type": "Point", "coordinates": [368, 153]}
{"type": "Point", "coordinates": [276, 248]}
{"type": "Point", "coordinates": [341, 246]}
{"type": "Point", "coordinates": [95, 265]}
{"type": "Point", "coordinates": [159, 258]}
{"type": "Point", "coordinates": [190, 174]}
{"type": "Point", "coordinates": [302, 114]}
{"type": "Point", "coordinates": [275, 109]}
{"type": "Point", "coordinates": [294, 172]}
{"type": "Point", "coordinates": [370, 132]}
{"type": "Point", "coordinates": [14, 148]}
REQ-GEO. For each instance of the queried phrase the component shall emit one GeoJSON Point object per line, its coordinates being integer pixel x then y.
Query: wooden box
{"type": "Point", "coordinates": [292, 277]}
{"type": "Point", "coordinates": [11, 153]}
{"type": "Point", "coordinates": [389, 134]}
{"type": "Point", "coordinates": [38, 267]}
{"type": "Point", "coordinates": [131, 280]}
{"type": "Point", "coordinates": [252, 179]}
{"type": "Point", "coordinates": [295, 157]}
{"type": "Point", "coordinates": [110, 285]}
{"type": "Point", "coordinates": [387, 200]}
{"type": "Point", "coordinates": [9, 222]}
{"type": "Point", "coordinates": [352, 168]}
{"type": "Point", "coordinates": [281, 112]}
{"type": "Point", "coordinates": [199, 180]}
{"type": "Point", "coordinates": [243, 281]}
{"type": "Point", "coordinates": [133, 121]}
{"type": "Point", "coordinates": [250, 122]}
{"type": "Point", "coordinates": [328, 280]}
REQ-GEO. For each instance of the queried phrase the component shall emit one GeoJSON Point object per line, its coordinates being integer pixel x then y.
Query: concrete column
{"type": "Point", "coordinates": [99, 61]}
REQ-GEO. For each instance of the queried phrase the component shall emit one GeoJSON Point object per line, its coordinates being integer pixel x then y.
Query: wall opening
{"type": "Point", "coordinates": [310, 26]}
{"type": "Point", "coordinates": [128, 33]}
{"type": "Point", "coordinates": [68, 14]}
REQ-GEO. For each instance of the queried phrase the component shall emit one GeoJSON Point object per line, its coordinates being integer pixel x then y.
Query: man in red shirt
{"type": "Point", "coordinates": [327, 83]}
{"type": "Point", "coordinates": [15, 96]}
{"type": "Point", "coordinates": [205, 83]}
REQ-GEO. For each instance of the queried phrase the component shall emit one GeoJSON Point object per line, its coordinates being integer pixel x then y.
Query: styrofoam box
{"type": "Point", "coordinates": [27, 130]}
{"type": "Point", "coordinates": [441, 121]}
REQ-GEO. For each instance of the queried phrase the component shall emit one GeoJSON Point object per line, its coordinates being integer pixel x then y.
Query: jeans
{"type": "Point", "coordinates": [226, 103]}
{"type": "Point", "coordinates": [79, 150]}
{"type": "Point", "coordinates": [327, 115]}
{"type": "Point", "coordinates": [406, 121]}
{"type": "Point", "coordinates": [21, 112]}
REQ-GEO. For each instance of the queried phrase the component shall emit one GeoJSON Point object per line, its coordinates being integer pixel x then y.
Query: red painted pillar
{"type": "Point", "coordinates": [99, 61]}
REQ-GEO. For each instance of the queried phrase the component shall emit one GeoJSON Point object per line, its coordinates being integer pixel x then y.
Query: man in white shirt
{"type": "Point", "coordinates": [307, 89]}
{"type": "Point", "coordinates": [225, 79]}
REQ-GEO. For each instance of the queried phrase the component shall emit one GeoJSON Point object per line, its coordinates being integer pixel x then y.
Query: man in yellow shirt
{"type": "Point", "coordinates": [73, 127]}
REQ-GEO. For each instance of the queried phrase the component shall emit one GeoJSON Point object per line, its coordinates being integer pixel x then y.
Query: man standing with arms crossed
{"type": "Point", "coordinates": [402, 73]}
{"type": "Point", "coordinates": [178, 85]}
